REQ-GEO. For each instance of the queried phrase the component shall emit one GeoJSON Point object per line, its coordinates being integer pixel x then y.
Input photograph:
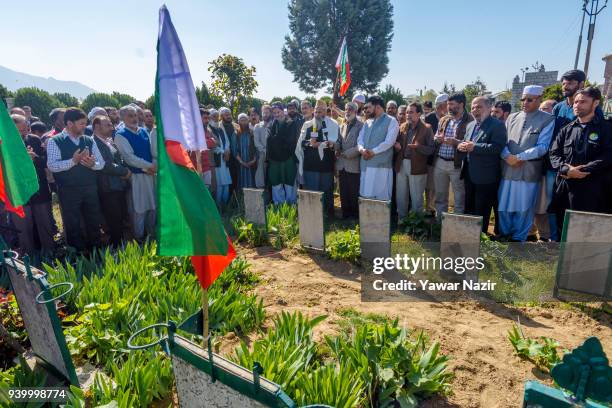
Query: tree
{"type": "Point", "coordinates": [476, 88]}
{"type": "Point", "coordinates": [392, 94]}
{"type": "Point", "coordinates": [150, 103]}
{"type": "Point", "coordinates": [40, 101]}
{"type": "Point", "coordinates": [232, 79]}
{"type": "Point", "coordinates": [205, 98]}
{"type": "Point", "coordinates": [123, 99]}
{"type": "Point", "coordinates": [285, 99]}
{"type": "Point", "coordinates": [100, 99]}
{"type": "Point", "coordinates": [4, 93]}
{"type": "Point", "coordinates": [66, 99]}
{"type": "Point", "coordinates": [505, 95]}
{"type": "Point", "coordinates": [316, 32]}
{"type": "Point", "coordinates": [429, 96]}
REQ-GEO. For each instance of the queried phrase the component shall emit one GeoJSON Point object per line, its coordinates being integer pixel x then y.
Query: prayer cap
{"type": "Point", "coordinates": [243, 116]}
{"type": "Point", "coordinates": [295, 103]}
{"type": "Point", "coordinates": [533, 90]}
{"type": "Point", "coordinates": [224, 110]}
{"type": "Point", "coordinates": [441, 99]}
{"type": "Point", "coordinates": [574, 75]}
{"type": "Point", "coordinates": [95, 111]}
{"type": "Point", "coordinates": [278, 105]}
{"type": "Point", "coordinates": [359, 98]}
{"type": "Point", "coordinates": [213, 112]}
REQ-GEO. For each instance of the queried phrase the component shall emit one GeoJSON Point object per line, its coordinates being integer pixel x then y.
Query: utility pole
{"type": "Point", "coordinates": [584, 4]}
{"type": "Point", "coordinates": [595, 10]}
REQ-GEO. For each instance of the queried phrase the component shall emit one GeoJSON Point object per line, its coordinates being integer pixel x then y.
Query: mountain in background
{"type": "Point", "coordinates": [14, 80]}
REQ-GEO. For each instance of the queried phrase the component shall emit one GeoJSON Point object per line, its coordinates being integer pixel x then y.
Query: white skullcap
{"type": "Point", "coordinates": [94, 112]}
{"type": "Point", "coordinates": [441, 99]}
{"type": "Point", "coordinates": [213, 112]}
{"type": "Point", "coordinates": [243, 116]}
{"type": "Point", "coordinates": [224, 110]}
{"type": "Point", "coordinates": [359, 98]}
{"type": "Point", "coordinates": [392, 103]}
{"type": "Point", "coordinates": [533, 90]}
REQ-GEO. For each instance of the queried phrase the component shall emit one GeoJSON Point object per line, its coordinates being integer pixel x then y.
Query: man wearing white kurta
{"type": "Point", "coordinates": [135, 147]}
{"type": "Point", "coordinates": [375, 143]}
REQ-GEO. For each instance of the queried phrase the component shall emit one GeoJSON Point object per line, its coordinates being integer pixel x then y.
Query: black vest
{"type": "Point", "coordinates": [312, 160]}
{"type": "Point", "coordinates": [79, 175]}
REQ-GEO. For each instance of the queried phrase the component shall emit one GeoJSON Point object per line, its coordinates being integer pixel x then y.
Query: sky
{"type": "Point", "coordinates": [110, 46]}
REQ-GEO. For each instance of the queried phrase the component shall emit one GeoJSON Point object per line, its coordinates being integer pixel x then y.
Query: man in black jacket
{"type": "Point", "coordinates": [112, 179]}
{"type": "Point", "coordinates": [582, 154]}
{"type": "Point", "coordinates": [36, 226]}
{"type": "Point", "coordinates": [485, 138]}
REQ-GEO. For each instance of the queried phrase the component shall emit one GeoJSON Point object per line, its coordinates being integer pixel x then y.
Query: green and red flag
{"type": "Point", "coordinates": [344, 68]}
{"type": "Point", "coordinates": [18, 180]}
{"type": "Point", "coordinates": [188, 223]}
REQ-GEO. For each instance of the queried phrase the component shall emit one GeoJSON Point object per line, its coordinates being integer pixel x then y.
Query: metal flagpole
{"type": "Point", "coordinates": [584, 4]}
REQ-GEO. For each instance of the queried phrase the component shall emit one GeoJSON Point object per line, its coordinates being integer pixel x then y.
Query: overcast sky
{"type": "Point", "coordinates": [110, 45]}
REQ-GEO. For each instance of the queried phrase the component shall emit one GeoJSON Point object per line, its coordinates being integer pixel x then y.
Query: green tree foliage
{"type": "Point", "coordinates": [232, 80]}
{"type": "Point", "coordinates": [40, 101]}
{"type": "Point", "coordinates": [285, 99]}
{"type": "Point", "coordinates": [123, 99]}
{"type": "Point", "coordinates": [99, 99]}
{"type": "Point", "coordinates": [206, 98]}
{"type": "Point", "coordinates": [392, 94]}
{"type": "Point", "coordinates": [4, 93]}
{"type": "Point", "coordinates": [428, 96]}
{"type": "Point", "coordinates": [150, 103]}
{"type": "Point", "coordinates": [66, 99]}
{"type": "Point", "coordinates": [476, 88]}
{"type": "Point", "coordinates": [553, 92]}
{"type": "Point", "coordinates": [316, 32]}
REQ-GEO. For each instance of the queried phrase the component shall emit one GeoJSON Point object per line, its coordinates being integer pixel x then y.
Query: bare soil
{"type": "Point", "coordinates": [487, 373]}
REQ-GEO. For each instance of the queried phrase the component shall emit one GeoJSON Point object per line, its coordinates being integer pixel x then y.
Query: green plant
{"type": "Point", "coordinates": [20, 376]}
{"type": "Point", "coordinates": [283, 225]}
{"type": "Point", "coordinates": [420, 227]}
{"type": "Point", "coordinates": [542, 353]}
{"type": "Point", "coordinates": [393, 367]}
{"type": "Point", "coordinates": [345, 246]}
{"type": "Point", "coordinates": [332, 385]}
{"type": "Point", "coordinates": [287, 351]}
{"type": "Point", "coordinates": [248, 233]}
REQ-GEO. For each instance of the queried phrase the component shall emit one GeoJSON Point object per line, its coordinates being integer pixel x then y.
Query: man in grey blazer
{"type": "Point", "coordinates": [347, 163]}
{"type": "Point", "coordinates": [485, 137]}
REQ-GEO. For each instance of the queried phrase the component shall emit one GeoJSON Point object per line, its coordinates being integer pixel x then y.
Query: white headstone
{"type": "Point", "coordinates": [254, 205]}
{"type": "Point", "coordinates": [312, 223]}
{"type": "Point", "coordinates": [374, 228]}
{"type": "Point", "coordinates": [195, 386]}
{"type": "Point", "coordinates": [40, 320]}
{"type": "Point", "coordinates": [460, 237]}
{"type": "Point", "coordinates": [585, 260]}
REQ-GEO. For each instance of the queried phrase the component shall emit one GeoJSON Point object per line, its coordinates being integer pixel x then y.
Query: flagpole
{"type": "Point", "coordinates": [205, 320]}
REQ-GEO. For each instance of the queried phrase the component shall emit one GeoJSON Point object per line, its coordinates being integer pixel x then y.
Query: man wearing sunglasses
{"type": "Point", "coordinates": [529, 135]}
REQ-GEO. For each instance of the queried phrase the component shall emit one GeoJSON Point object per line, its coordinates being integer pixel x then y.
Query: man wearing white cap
{"type": "Point", "coordinates": [95, 111]}
{"type": "Point", "coordinates": [529, 135]}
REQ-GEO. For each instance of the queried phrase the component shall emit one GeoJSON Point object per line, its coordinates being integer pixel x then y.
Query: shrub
{"type": "Point", "coordinates": [542, 353]}
{"type": "Point", "coordinates": [248, 233]}
{"type": "Point", "coordinates": [345, 246]}
{"type": "Point", "coordinates": [283, 225]}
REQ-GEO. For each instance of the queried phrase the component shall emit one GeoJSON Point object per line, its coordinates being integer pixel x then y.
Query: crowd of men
{"type": "Point", "coordinates": [523, 168]}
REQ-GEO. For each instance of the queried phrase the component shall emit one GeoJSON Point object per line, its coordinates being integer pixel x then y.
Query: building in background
{"type": "Point", "coordinates": [540, 77]}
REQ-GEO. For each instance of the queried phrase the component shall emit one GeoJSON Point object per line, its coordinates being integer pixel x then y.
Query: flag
{"type": "Point", "coordinates": [18, 180]}
{"type": "Point", "coordinates": [344, 68]}
{"type": "Point", "coordinates": [188, 223]}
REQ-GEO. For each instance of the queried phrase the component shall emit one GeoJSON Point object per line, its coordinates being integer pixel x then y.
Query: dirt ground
{"type": "Point", "coordinates": [487, 373]}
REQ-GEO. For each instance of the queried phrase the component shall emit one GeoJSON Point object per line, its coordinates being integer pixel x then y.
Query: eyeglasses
{"type": "Point", "coordinates": [529, 100]}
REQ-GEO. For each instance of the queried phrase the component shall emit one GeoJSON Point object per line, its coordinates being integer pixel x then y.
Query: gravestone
{"type": "Point", "coordinates": [460, 237]}
{"type": "Point", "coordinates": [254, 205]}
{"type": "Point", "coordinates": [207, 380]}
{"type": "Point", "coordinates": [585, 261]}
{"type": "Point", "coordinates": [40, 318]}
{"type": "Point", "coordinates": [374, 228]}
{"type": "Point", "coordinates": [312, 222]}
